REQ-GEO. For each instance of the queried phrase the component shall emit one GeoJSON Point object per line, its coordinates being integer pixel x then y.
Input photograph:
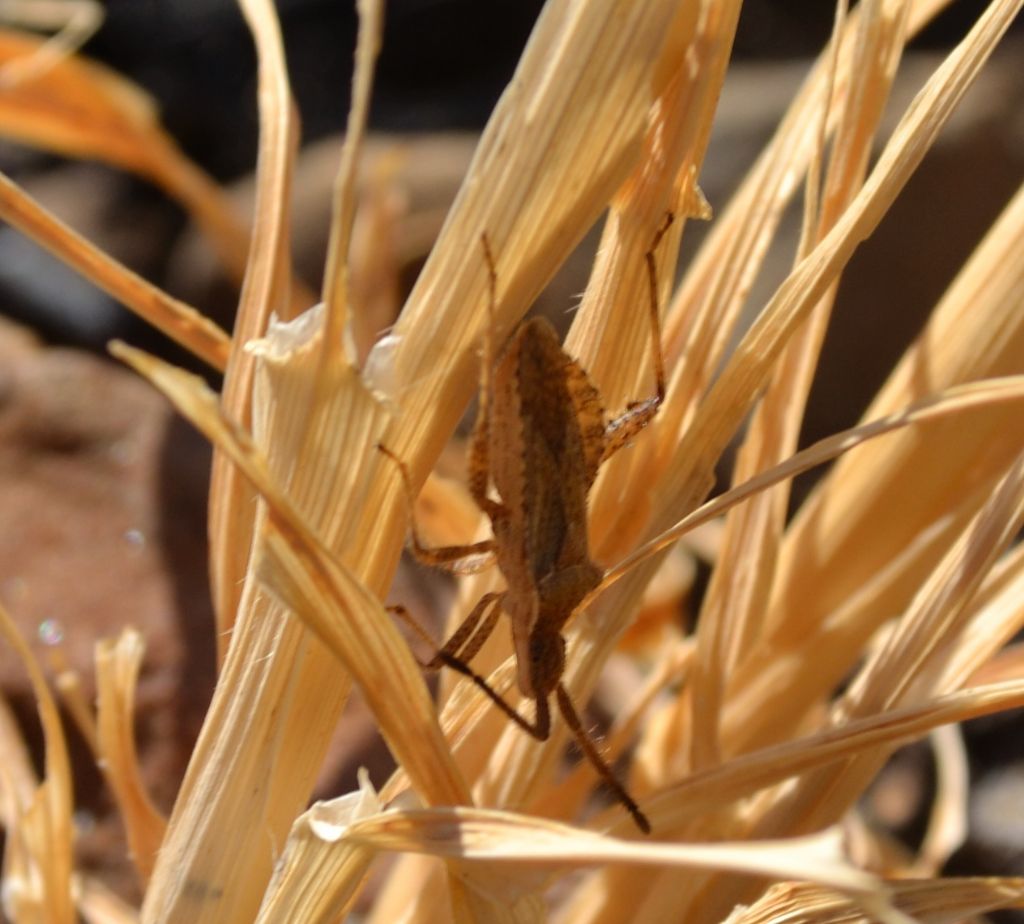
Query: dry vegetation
{"type": "Point", "coordinates": [745, 759]}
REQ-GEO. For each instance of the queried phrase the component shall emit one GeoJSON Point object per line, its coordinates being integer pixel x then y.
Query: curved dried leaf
{"type": "Point", "coordinates": [37, 865]}
{"type": "Point", "coordinates": [117, 673]}
{"type": "Point", "coordinates": [76, 107]}
{"type": "Point", "coordinates": [929, 902]}
{"type": "Point", "coordinates": [504, 837]}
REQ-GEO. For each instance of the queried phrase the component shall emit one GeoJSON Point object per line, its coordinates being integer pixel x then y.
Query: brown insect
{"type": "Point", "coordinates": [539, 439]}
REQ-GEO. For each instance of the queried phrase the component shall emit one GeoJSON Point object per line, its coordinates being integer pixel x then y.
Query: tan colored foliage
{"type": "Point", "coordinates": [900, 572]}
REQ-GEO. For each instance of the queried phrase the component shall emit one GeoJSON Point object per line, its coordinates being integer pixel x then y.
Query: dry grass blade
{"type": "Point", "coordinates": [914, 649]}
{"type": "Point", "coordinates": [75, 107]}
{"type": "Point", "coordinates": [913, 652]}
{"type": "Point", "coordinates": [264, 291]}
{"type": "Point", "coordinates": [494, 837]}
{"type": "Point", "coordinates": [956, 400]}
{"type": "Point", "coordinates": [929, 902]}
{"type": "Point", "coordinates": [708, 790]}
{"type": "Point", "coordinates": [37, 867]}
{"type": "Point", "coordinates": [179, 321]}
{"type": "Point", "coordinates": [72, 23]}
{"type": "Point", "coordinates": [73, 698]}
{"type": "Point", "coordinates": [377, 657]}
{"type": "Point", "coordinates": [335, 290]}
{"type": "Point", "coordinates": [664, 181]}
{"type": "Point", "coordinates": [948, 822]}
{"type": "Point", "coordinates": [482, 835]}
{"type": "Point", "coordinates": [878, 524]}
{"type": "Point", "coordinates": [582, 93]}
{"type": "Point", "coordinates": [746, 372]}
{"type": "Point", "coordinates": [731, 617]}
{"type": "Point", "coordinates": [17, 776]}
{"type": "Point", "coordinates": [706, 308]}
{"type": "Point", "coordinates": [117, 671]}
{"type": "Point", "coordinates": [996, 617]}
{"type": "Point", "coordinates": [975, 332]}
{"type": "Point", "coordinates": [296, 567]}
{"type": "Point", "coordinates": [100, 905]}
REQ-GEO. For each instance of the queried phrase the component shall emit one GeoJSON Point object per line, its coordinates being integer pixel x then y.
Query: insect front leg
{"type": "Point", "coordinates": [638, 414]}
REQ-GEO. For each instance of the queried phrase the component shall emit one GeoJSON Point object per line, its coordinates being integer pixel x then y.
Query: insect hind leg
{"type": "Point", "coordinates": [539, 728]}
{"type": "Point", "coordinates": [465, 642]}
{"type": "Point", "coordinates": [592, 754]}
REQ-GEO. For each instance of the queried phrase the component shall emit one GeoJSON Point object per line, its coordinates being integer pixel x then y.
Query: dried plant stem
{"type": "Point", "coordinates": [265, 290]}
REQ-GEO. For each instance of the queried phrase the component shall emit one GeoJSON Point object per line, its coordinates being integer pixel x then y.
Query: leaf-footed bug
{"type": "Point", "coordinates": [540, 438]}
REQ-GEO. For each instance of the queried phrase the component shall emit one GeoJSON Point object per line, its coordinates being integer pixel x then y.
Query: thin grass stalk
{"type": "Point", "coordinates": [117, 671]}
{"type": "Point", "coordinates": [730, 621]}
{"type": "Point", "coordinates": [265, 290]}
{"type": "Point", "coordinates": [910, 498]}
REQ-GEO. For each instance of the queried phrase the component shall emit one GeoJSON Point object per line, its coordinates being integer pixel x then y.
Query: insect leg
{"type": "Point", "coordinates": [402, 613]}
{"type": "Point", "coordinates": [465, 641]}
{"type": "Point", "coordinates": [597, 761]}
{"type": "Point", "coordinates": [464, 644]}
{"type": "Point", "coordinates": [458, 559]}
{"type": "Point", "coordinates": [540, 728]}
{"type": "Point", "coordinates": [638, 414]}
